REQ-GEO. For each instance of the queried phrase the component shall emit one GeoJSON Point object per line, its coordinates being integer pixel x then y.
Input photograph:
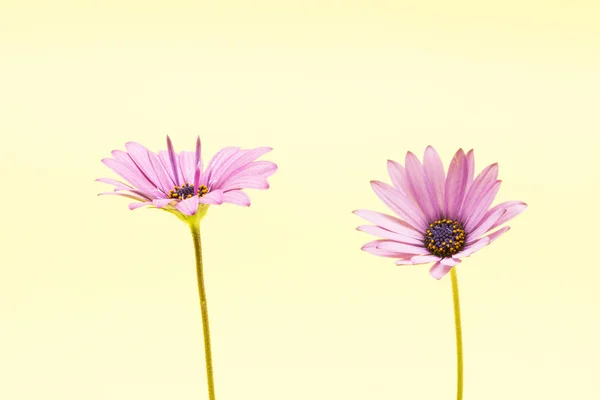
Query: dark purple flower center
{"type": "Point", "coordinates": [445, 237]}
{"type": "Point", "coordinates": [186, 191]}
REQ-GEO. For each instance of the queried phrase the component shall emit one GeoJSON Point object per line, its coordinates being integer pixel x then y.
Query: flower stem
{"type": "Point", "coordinates": [459, 350]}
{"type": "Point", "coordinates": [195, 228]}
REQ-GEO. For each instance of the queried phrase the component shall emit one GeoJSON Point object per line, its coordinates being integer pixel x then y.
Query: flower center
{"type": "Point", "coordinates": [186, 191]}
{"type": "Point", "coordinates": [445, 237]}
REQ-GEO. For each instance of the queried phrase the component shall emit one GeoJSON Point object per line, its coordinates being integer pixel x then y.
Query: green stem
{"type": "Point", "coordinates": [195, 228]}
{"type": "Point", "coordinates": [459, 350]}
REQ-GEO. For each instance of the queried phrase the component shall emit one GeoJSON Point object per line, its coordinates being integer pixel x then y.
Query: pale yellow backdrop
{"type": "Point", "coordinates": [99, 302]}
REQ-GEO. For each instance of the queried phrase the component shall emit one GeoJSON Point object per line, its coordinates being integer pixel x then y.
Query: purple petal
{"type": "Point", "coordinates": [513, 208]}
{"type": "Point", "coordinates": [421, 188]}
{"type": "Point", "coordinates": [390, 223]}
{"type": "Point", "coordinates": [134, 206]}
{"type": "Point", "coordinates": [439, 270]}
{"type": "Point", "coordinates": [471, 169]}
{"type": "Point", "coordinates": [400, 204]}
{"type": "Point", "coordinates": [386, 234]}
{"type": "Point", "coordinates": [456, 183]}
{"type": "Point", "coordinates": [398, 177]}
{"type": "Point", "coordinates": [235, 164]}
{"type": "Point", "coordinates": [165, 160]}
{"type": "Point", "coordinates": [118, 185]}
{"type": "Point", "coordinates": [481, 206]}
{"type": "Point", "coordinates": [197, 175]}
{"type": "Point", "coordinates": [130, 173]}
{"type": "Point", "coordinates": [485, 224]}
{"type": "Point", "coordinates": [426, 259]}
{"type": "Point", "coordinates": [188, 206]}
{"type": "Point", "coordinates": [213, 197]}
{"type": "Point", "coordinates": [487, 176]}
{"type": "Point", "coordinates": [236, 197]}
{"type": "Point", "coordinates": [199, 153]}
{"type": "Point", "coordinates": [139, 155]}
{"type": "Point", "coordinates": [472, 248]}
{"type": "Point", "coordinates": [256, 169]}
{"type": "Point", "coordinates": [165, 182]}
{"type": "Point", "coordinates": [434, 169]}
{"type": "Point", "coordinates": [216, 162]}
{"type": "Point", "coordinates": [372, 248]}
{"type": "Point", "coordinates": [450, 262]}
{"type": "Point", "coordinates": [498, 233]}
{"type": "Point", "coordinates": [404, 262]}
{"type": "Point", "coordinates": [172, 159]}
{"type": "Point", "coordinates": [188, 165]}
{"type": "Point", "coordinates": [160, 203]}
{"type": "Point", "coordinates": [401, 247]}
{"type": "Point", "coordinates": [246, 182]}
{"type": "Point", "coordinates": [129, 196]}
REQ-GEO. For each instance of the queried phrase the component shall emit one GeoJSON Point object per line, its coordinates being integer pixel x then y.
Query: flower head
{"type": "Point", "coordinates": [179, 184]}
{"type": "Point", "coordinates": [442, 219]}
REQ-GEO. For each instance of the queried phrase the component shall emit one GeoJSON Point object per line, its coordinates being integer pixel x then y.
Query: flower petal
{"type": "Point", "coordinates": [481, 183]}
{"type": "Point", "coordinates": [130, 173]}
{"type": "Point", "coordinates": [400, 204]}
{"type": "Point", "coordinates": [134, 206]}
{"type": "Point", "coordinates": [397, 175]}
{"type": "Point", "coordinates": [372, 248]}
{"type": "Point", "coordinates": [213, 197]}
{"type": "Point", "coordinates": [245, 182]}
{"type": "Point", "coordinates": [495, 235]}
{"type": "Point", "coordinates": [217, 162]}
{"type": "Point", "coordinates": [160, 203]}
{"type": "Point", "coordinates": [513, 208]}
{"type": "Point", "coordinates": [129, 196]}
{"type": "Point", "coordinates": [401, 247]}
{"type": "Point", "coordinates": [139, 155]}
{"type": "Point", "coordinates": [165, 160]}
{"type": "Point", "coordinates": [481, 206]}
{"type": "Point", "coordinates": [434, 169]}
{"type": "Point", "coordinates": [471, 168]}
{"type": "Point", "coordinates": [236, 197]}
{"type": "Point", "coordinates": [188, 206]}
{"type": "Point", "coordinates": [173, 162]}
{"type": "Point", "coordinates": [450, 262]}
{"type": "Point", "coordinates": [456, 183]}
{"type": "Point", "coordinates": [198, 161]}
{"type": "Point", "coordinates": [188, 165]}
{"type": "Point", "coordinates": [426, 259]}
{"type": "Point", "coordinates": [439, 270]}
{"type": "Point", "coordinates": [165, 182]}
{"type": "Point", "coordinates": [118, 185]}
{"type": "Point", "coordinates": [485, 225]}
{"type": "Point", "coordinates": [390, 223]}
{"type": "Point", "coordinates": [386, 234]}
{"type": "Point", "coordinates": [472, 248]}
{"type": "Point", "coordinates": [235, 164]}
{"type": "Point", "coordinates": [421, 188]}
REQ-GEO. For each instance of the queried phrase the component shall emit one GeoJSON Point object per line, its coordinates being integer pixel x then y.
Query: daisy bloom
{"type": "Point", "coordinates": [179, 184]}
{"type": "Point", "coordinates": [440, 218]}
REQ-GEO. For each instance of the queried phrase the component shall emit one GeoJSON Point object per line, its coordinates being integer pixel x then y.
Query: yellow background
{"type": "Point", "coordinates": [99, 302]}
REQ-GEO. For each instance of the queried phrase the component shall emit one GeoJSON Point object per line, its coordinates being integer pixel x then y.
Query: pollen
{"type": "Point", "coordinates": [445, 237]}
{"type": "Point", "coordinates": [186, 191]}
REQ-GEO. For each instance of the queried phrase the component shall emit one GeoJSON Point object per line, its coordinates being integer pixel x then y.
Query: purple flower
{"type": "Point", "coordinates": [178, 183]}
{"type": "Point", "coordinates": [442, 219]}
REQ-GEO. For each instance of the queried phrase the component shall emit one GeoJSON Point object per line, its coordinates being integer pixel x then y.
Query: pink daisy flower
{"type": "Point", "coordinates": [179, 184]}
{"type": "Point", "coordinates": [441, 219]}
